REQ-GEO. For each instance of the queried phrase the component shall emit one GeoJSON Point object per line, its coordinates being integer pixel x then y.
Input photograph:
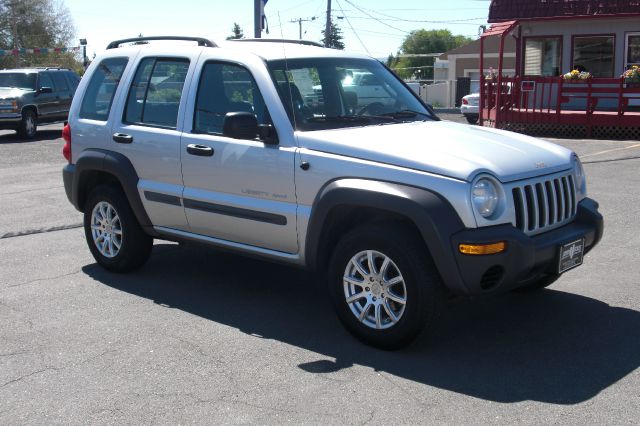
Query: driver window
{"type": "Point", "coordinates": [226, 88]}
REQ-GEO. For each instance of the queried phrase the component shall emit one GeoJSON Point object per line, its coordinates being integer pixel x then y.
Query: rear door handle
{"type": "Point", "coordinates": [201, 150]}
{"type": "Point", "coordinates": [122, 138]}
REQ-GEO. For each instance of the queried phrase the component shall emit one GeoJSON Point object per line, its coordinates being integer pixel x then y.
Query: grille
{"type": "Point", "coordinates": [544, 204]}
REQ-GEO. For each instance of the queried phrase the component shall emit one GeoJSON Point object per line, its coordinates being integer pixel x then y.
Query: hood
{"type": "Point", "coordinates": [444, 148]}
{"type": "Point", "coordinates": [12, 92]}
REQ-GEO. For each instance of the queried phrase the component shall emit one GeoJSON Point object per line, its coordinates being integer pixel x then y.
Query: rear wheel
{"type": "Point", "coordinates": [471, 119]}
{"type": "Point", "coordinates": [115, 238]}
{"type": "Point", "coordinates": [383, 285]}
{"type": "Point", "coordinates": [29, 124]}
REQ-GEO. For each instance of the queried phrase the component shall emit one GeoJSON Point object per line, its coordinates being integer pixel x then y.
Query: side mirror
{"type": "Point", "coordinates": [46, 90]}
{"type": "Point", "coordinates": [244, 125]}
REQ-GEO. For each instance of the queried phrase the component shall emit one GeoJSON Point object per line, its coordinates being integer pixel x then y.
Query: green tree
{"type": "Point", "coordinates": [335, 36]}
{"type": "Point", "coordinates": [423, 42]}
{"type": "Point", "coordinates": [32, 24]}
{"type": "Point", "coordinates": [236, 32]}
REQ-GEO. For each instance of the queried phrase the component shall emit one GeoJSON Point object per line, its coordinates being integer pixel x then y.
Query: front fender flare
{"type": "Point", "coordinates": [431, 213]}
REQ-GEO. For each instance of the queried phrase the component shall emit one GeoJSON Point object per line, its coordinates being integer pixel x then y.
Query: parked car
{"type": "Point", "coordinates": [394, 209]}
{"type": "Point", "coordinates": [470, 107]}
{"type": "Point", "coordinates": [32, 96]}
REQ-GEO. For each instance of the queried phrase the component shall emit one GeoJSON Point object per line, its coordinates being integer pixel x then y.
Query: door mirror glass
{"type": "Point", "coordinates": [240, 125]}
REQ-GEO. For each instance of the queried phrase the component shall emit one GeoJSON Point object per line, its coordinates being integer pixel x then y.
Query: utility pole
{"type": "Point", "coordinates": [327, 29]}
{"type": "Point", "coordinates": [300, 21]}
{"type": "Point", "coordinates": [257, 18]}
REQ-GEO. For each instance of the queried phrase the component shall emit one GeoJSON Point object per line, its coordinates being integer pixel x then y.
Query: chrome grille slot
{"type": "Point", "coordinates": [545, 203]}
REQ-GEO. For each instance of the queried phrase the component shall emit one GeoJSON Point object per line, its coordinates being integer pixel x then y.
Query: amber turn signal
{"type": "Point", "coordinates": [482, 249]}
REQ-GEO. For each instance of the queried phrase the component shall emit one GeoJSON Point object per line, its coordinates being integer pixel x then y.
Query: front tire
{"type": "Point", "coordinates": [29, 124]}
{"type": "Point", "coordinates": [115, 238]}
{"type": "Point", "coordinates": [383, 285]}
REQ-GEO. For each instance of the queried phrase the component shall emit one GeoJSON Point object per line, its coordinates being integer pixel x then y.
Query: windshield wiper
{"type": "Point", "coordinates": [406, 113]}
{"type": "Point", "coordinates": [340, 119]}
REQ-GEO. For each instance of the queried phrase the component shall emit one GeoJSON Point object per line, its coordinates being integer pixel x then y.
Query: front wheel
{"type": "Point", "coordinates": [29, 124]}
{"type": "Point", "coordinates": [384, 285]}
{"type": "Point", "coordinates": [115, 238]}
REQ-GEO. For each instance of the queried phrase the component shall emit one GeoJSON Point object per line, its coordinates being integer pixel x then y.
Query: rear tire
{"type": "Point", "coordinates": [381, 314]}
{"type": "Point", "coordinates": [471, 119]}
{"type": "Point", "coordinates": [29, 125]}
{"type": "Point", "coordinates": [115, 238]}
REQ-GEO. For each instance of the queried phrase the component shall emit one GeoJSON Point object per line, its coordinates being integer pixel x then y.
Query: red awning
{"type": "Point", "coordinates": [500, 29]}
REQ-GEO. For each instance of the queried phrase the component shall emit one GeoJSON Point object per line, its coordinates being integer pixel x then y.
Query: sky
{"type": "Point", "coordinates": [373, 27]}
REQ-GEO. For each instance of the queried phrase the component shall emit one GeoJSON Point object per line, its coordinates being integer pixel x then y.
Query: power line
{"type": "Point", "coordinates": [352, 29]}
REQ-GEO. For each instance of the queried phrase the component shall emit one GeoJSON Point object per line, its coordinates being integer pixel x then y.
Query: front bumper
{"type": "Point", "coordinates": [10, 120]}
{"type": "Point", "coordinates": [525, 259]}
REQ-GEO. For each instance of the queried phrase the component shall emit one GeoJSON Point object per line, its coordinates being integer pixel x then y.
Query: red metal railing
{"type": "Point", "coordinates": [530, 100]}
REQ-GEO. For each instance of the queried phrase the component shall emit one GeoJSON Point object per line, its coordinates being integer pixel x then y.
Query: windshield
{"type": "Point", "coordinates": [327, 93]}
{"type": "Point", "coordinates": [20, 80]}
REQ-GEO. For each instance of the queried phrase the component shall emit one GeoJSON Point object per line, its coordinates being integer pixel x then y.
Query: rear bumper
{"type": "Point", "coordinates": [469, 110]}
{"type": "Point", "coordinates": [68, 173]}
{"type": "Point", "coordinates": [526, 259]}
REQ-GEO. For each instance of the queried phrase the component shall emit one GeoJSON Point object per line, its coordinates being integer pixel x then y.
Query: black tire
{"type": "Point", "coordinates": [539, 284]}
{"type": "Point", "coordinates": [423, 296]}
{"type": "Point", "coordinates": [135, 245]}
{"type": "Point", "coordinates": [471, 119]}
{"type": "Point", "coordinates": [29, 125]}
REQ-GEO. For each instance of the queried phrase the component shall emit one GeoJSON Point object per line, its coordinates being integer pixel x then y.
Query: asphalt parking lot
{"type": "Point", "coordinates": [197, 336]}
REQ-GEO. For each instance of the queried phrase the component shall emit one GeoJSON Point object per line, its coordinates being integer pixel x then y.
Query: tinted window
{"type": "Point", "coordinates": [101, 88]}
{"type": "Point", "coordinates": [59, 82]}
{"type": "Point", "coordinates": [73, 80]}
{"type": "Point", "coordinates": [45, 80]}
{"type": "Point", "coordinates": [154, 96]}
{"type": "Point", "coordinates": [226, 88]}
{"type": "Point", "coordinates": [14, 79]}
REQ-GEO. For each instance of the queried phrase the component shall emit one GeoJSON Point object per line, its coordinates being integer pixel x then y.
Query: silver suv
{"type": "Point", "coordinates": [392, 207]}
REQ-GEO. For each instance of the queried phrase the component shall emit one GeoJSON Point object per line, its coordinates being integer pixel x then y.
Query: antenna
{"type": "Point", "coordinates": [286, 75]}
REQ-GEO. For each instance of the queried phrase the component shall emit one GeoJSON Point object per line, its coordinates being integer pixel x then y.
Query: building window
{"type": "Point", "coordinates": [594, 54]}
{"type": "Point", "coordinates": [543, 56]}
{"type": "Point", "coordinates": [633, 50]}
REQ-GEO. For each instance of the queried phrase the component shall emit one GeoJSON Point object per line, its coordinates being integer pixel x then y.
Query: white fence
{"type": "Point", "coordinates": [439, 93]}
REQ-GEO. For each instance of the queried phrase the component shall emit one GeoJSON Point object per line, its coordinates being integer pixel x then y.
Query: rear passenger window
{"type": "Point", "coordinates": [98, 96]}
{"type": "Point", "coordinates": [59, 82]}
{"type": "Point", "coordinates": [226, 88]}
{"type": "Point", "coordinates": [45, 81]}
{"type": "Point", "coordinates": [154, 96]}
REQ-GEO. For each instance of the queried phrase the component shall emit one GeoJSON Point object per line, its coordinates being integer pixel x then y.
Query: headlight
{"type": "Point", "coordinates": [578, 172]}
{"type": "Point", "coordinates": [485, 197]}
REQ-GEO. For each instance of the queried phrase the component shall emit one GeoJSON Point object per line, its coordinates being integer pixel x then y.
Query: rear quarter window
{"type": "Point", "coordinates": [98, 96]}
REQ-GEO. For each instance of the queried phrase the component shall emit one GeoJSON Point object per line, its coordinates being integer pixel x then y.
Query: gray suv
{"type": "Point", "coordinates": [29, 96]}
{"type": "Point", "coordinates": [394, 209]}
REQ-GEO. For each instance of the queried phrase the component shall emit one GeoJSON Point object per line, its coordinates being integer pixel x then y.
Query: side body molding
{"type": "Point", "coordinates": [120, 167]}
{"type": "Point", "coordinates": [434, 217]}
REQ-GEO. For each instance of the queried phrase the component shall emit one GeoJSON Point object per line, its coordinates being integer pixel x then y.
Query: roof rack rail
{"type": "Point", "coordinates": [280, 40]}
{"type": "Point", "coordinates": [201, 41]}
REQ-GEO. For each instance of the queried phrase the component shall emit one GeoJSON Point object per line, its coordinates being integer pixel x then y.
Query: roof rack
{"type": "Point", "coordinates": [280, 40]}
{"type": "Point", "coordinates": [201, 41]}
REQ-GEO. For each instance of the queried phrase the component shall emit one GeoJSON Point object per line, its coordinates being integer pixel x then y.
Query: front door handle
{"type": "Point", "coordinates": [201, 150]}
{"type": "Point", "coordinates": [122, 138]}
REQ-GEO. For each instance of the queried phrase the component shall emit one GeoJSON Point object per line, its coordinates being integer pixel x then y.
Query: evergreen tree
{"type": "Point", "coordinates": [335, 36]}
{"type": "Point", "coordinates": [236, 32]}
